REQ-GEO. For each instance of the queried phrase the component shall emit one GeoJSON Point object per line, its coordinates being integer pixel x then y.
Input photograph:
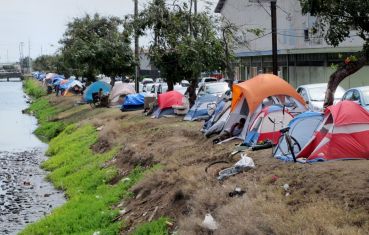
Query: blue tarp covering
{"type": "Point", "coordinates": [57, 81]}
{"type": "Point", "coordinates": [94, 88]}
{"type": "Point", "coordinates": [217, 112]}
{"type": "Point", "coordinates": [133, 102]}
{"type": "Point", "coordinates": [200, 109]}
{"type": "Point", "coordinates": [66, 85]}
{"type": "Point", "coordinates": [57, 77]}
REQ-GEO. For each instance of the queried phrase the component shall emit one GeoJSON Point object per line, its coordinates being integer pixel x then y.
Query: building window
{"type": "Point", "coordinates": [306, 35]}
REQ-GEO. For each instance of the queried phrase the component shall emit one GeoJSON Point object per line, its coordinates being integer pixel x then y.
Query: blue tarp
{"type": "Point", "coordinates": [57, 81]}
{"type": "Point", "coordinates": [200, 109]}
{"type": "Point", "coordinates": [66, 85]}
{"type": "Point", "coordinates": [217, 112]}
{"type": "Point", "coordinates": [94, 88]}
{"type": "Point", "coordinates": [57, 77]}
{"type": "Point", "coordinates": [133, 102]}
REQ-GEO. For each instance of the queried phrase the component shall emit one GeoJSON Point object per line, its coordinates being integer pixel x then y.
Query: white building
{"type": "Point", "coordinates": [303, 57]}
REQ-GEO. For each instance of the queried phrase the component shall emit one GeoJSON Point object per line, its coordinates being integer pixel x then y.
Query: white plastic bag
{"type": "Point", "coordinates": [245, 162]}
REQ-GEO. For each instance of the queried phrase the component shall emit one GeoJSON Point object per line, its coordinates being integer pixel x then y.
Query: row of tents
{"type": "Point", "coordinates": [268, 104]}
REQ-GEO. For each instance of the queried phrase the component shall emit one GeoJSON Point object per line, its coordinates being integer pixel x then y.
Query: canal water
{"type": "Point", "coordinates": [25, 195]}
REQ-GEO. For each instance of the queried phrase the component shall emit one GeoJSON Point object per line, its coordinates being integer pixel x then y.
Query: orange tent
{"type": "Point", "coordinates": [260, 87]}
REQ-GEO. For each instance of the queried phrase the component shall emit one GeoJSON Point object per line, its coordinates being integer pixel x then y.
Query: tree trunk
{"type": "Point", "coordinates": [112, 81]}
{"type": "Point", "coordinates": [170, 85]}
{"type": "Point", "coordinates": [337, 77]}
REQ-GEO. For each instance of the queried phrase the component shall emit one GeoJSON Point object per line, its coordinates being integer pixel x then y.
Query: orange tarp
{"type": "Point", "coordinates": [260, 87]}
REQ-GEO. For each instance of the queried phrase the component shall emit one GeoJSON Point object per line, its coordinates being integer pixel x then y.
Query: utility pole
{"type": "Point", "coordinates": [137, 54]}
{"type": "Point", "coordinates": [29, 56]}
{"type": "Point", "coordinates": [21, 55]}
{"type": "Point", "coordinates": [195, 6]}
{"type": "Point", "coordinates": [273, 7]}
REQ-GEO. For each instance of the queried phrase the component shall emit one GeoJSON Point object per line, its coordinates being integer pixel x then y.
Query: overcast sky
{"type": "Point", "coordinates": [43, 22]}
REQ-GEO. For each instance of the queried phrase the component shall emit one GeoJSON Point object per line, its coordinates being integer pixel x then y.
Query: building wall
{"type": "Point", "coordinates": [291, 25]}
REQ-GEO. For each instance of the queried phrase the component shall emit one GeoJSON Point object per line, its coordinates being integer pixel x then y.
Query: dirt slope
{"type": "Point", "coordinates": [323, 198]}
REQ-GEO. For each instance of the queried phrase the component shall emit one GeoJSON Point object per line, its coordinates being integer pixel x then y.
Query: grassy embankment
{"type": "Point", "coordinates": [82, 174]}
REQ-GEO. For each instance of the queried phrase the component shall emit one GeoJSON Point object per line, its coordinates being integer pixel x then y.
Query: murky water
{"type": "Point", "coordinates": [25, 196]}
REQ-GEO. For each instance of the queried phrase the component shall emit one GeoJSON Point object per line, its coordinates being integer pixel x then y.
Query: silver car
{"type": "Point", "coordinates": [216, 88]}
{"type": "Point", "coordinates": [359, 95]}
{"type": "Point", "coordinates": [314, 95]}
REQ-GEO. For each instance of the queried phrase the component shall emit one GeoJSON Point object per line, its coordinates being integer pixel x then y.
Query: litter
{"type": "Point", "coordinates": [244, 164]}
{"type": "Point", "coordinates": [209, 223]}
{"type": "Point", "coordinates": [237, 192]}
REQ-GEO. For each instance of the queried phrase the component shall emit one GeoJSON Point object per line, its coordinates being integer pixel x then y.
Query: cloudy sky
{"type": "Point", "coordinates": [43, 22]}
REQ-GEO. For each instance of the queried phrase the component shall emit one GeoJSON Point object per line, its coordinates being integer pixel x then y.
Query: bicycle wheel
{"type": "Point", "coordinates": [283, 147]}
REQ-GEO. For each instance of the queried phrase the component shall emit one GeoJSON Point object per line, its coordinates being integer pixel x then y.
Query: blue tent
{"type": "Point", "coordinates": [94, 88]}
{"type": "Point", "coordinates": [57, 77]}
{"type": "Point", "coordinates": [302, 128]}
{"type": "Point", "coordinates": [133, 102]}
{"type": "Point", "coordinates": [57, 81]}
{"type": "Point", "coordinates": [200, 109]}
{"type": "Point", "coordinates": [66, 85]}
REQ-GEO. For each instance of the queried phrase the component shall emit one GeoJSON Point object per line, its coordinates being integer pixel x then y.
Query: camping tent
{"type": "Point", "coordinates": [120, 89]}
{"type": "Point", "coordinates": [302, 128]}
{"type": "Point", "coordinates": [342, 134]}
{"type": "Point", "coordinates": [199, 110]}
{"type": "Point", "coordinates": [133, 102]}
{"type": "Point", "coordinates": [251, 96]}
{"type": "Point", "coordinates": [267, 124]}
{"type": "Point", "coordinates": [219, 117]}
{"type": "Point", "coordinates": [74, 87]}
{"type": "Point", "coordinates": [166, 101]}
{"type": "Point", "coordinates": [94, 88]}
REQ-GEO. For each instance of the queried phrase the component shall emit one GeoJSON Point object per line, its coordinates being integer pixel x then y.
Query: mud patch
{"type": "Point", "coordinates": [101, 146]}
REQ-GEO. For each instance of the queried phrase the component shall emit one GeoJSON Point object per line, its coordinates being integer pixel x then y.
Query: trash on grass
{"type": "Point", "coordinates": [209, 222]}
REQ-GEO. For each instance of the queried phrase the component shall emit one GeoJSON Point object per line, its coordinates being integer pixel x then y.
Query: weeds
{"type": "Point", "coordinates": [82, 174]}
{"type": "Point", "coordinates": [44, 112]}
{"type": "Point", "coordinates": [156, 227]}
{"type": "Point", "coordinates": [33, 88]}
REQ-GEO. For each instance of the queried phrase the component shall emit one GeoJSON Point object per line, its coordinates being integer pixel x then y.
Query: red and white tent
{"type": "Point", "coordinates": [343, 134]}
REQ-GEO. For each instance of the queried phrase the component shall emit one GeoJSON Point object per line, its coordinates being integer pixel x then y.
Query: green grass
{"type": "Point", "coordinates": [44, 111]}
{"type": "Point", "coordinates": [157, 227]}
{"type": "Point", "coordinates": [33, 88]}
{"type": "Point", "coordinates": [77, 170]}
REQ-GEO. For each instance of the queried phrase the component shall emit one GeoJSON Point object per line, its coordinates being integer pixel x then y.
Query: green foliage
{"type": "Point", "coordinates": [184, 44]}
{"type": "Point", "coordinates": [33, 88]}
{"type": "Point", "coordinates": [80, 172]}
{"type": "Point", "coordinates": [95, 45]}
{"type": "Point", "coordinates": [51, 63]}
{"type": "Point", "coordinates": [338, 18]}
{"type": "Point", "coordinates": [157, 227]}
{"type": "Point", "coordinates": [44, 112]}
{"type": "Point", "coordinates": [24, 63]}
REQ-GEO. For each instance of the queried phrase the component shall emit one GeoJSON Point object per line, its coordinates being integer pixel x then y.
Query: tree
{"type": "Point", "coordinates": [97, 45]}
{"type": "Point", "coordinates": [184, 44]}
{"type": "Point", "coordinates": [52, 63]}
{"type": "Point", "coordinates": [337, 19]}
{"type": "Point", "coordinates": [24, 62]}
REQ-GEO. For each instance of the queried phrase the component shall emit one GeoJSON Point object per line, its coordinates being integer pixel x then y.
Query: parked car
{"type": "Point", "coordinates": [359, 95]}
{"type": "Point", "coordinates": [314, 95]}
{"type": "Point", "coordinates": [204, 80]}
{"type": "Point", "coordinates": [185, 83]}
{"type": "Point", "coordinates": [217, 88]}
{"type": "Point", "coordinates": [147, 80]}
